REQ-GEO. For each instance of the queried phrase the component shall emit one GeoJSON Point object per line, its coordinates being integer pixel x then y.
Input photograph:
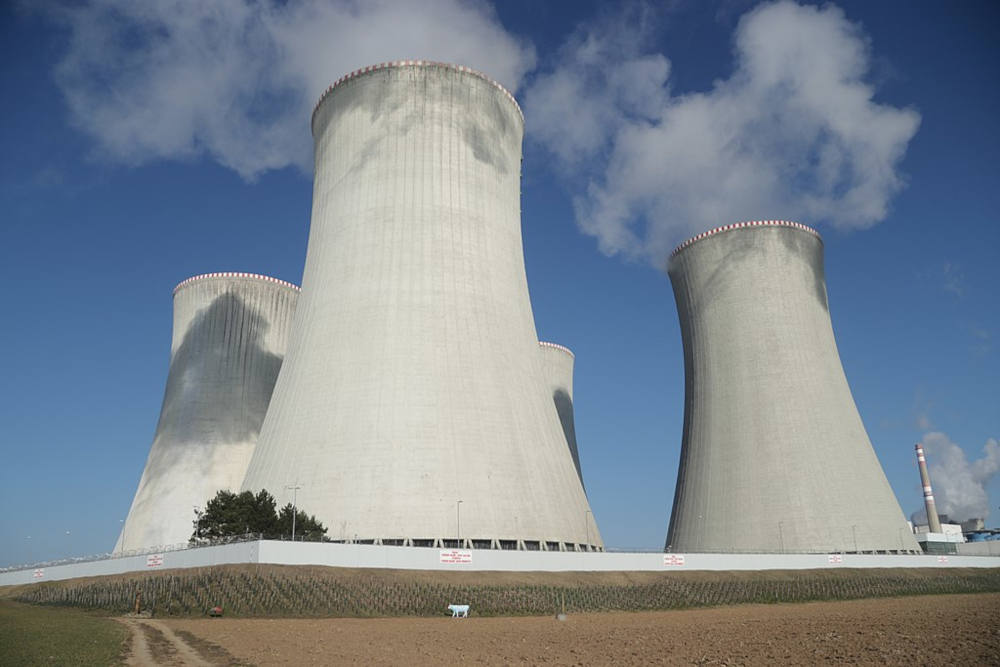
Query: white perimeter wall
{"type": "Point", "coordinates": [419, 558]}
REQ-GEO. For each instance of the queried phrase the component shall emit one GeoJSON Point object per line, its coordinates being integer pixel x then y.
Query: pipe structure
{"type": "Point", "coordinates": [557, 364]}
{"type": "Point", "coordinates": [774, 455]}
{"type": "Point", "coordinates": [933, 522]}
{"type": "Point", "coordinates": [413, 378]}
{"type": "Point", "coordinates": [229, 336]}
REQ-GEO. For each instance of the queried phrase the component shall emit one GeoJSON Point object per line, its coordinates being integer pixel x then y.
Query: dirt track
{"type": "Point", "coordinates": [931, 630]}
{"type": "Point", "coordinates": [153, 643]}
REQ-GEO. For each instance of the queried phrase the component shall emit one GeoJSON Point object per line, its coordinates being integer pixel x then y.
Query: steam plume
{"type": "Point", "coordinates": [960, 485]}
{"type": "Point", "coordinates": [236, 81]}
{"type": "Point", "coordinates": [794, 132]}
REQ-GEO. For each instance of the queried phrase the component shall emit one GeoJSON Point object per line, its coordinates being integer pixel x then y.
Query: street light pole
{"type": "Point", "coordinates": [854, 531]}
{"type": "Point", "coordinates": [200, 526]}
{"type": "Point", "coordinates": [295, 497]}
{"type": "Point", "coordinates": [586, 520]}
{"type": "Point", "coordinates": [458, 517]}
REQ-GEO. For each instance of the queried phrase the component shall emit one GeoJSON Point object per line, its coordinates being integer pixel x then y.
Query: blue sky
{"type": "Point", "coordinates": [141, 147]}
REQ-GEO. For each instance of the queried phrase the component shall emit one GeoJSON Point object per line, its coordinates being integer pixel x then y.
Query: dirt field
{"type": "Point", "coordinates": [928, 630]}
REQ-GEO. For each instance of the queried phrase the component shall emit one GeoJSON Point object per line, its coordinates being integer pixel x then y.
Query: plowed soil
{"type": "Point", "coordinates": [927, 630]}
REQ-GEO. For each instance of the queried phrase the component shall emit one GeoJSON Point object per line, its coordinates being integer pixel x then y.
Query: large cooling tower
{"type": "Point", "coordinates": [412, 406]}
{"type": "Point", "coordinates": [230, 333]}
{"type": "Point", "coordinates": [774, 456]}
{"type": "Point", "coordinates": [557, 364]}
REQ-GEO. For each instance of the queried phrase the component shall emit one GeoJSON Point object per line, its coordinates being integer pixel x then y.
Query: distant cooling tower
{"type": "Point", "coordinates": [413, 407]}
{"type": "Point", "coordinates": [230, 333]}
{"type": "Point", "coordinates": [774, 456]}
{"type": "Point", "coordinates": [557, 364]}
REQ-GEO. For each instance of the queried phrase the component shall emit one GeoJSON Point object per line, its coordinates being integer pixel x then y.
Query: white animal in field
{"type": "Point", "coordinates": [459, 610]}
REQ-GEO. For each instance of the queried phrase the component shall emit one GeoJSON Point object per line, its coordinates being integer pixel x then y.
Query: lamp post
{"type": "Point", "coordinates": [781, 537]}
{"type": "Point", "coordinates": [458, 521]}
{"type": "Point", "coordinates": [199, 516]}
{"type": "Point", "coordinates": [586, 520]}
{"type": "Point", "coordinates": [854, 531]}
{"type": "Point", "coordinates": [295, 497]}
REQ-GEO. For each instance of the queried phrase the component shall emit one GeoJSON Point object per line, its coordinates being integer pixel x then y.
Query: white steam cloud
{"type": "Point", "coordinates": [792, 133]}
{"type": "Point", "coordinates": [236, 80]}
{"type": "Point", "coordinates": [960, 486]}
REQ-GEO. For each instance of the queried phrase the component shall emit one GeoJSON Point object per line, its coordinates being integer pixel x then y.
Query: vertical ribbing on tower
{"type": "Point", "coordinates": [774, 455]}
{"type": "Point", "coordinates": [413, 378]}
{"type": "Point", "coordinates": [229, 337]}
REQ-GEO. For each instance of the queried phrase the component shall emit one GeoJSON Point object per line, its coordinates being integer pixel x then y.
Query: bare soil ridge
{"type": "Point", "coordinates": [938, 630]}
{"type": "Point", "coordinates": [306, 591]}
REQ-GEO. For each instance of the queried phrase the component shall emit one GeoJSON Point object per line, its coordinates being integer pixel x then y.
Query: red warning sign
{"type": "Point", "coordinates": [456, 557]}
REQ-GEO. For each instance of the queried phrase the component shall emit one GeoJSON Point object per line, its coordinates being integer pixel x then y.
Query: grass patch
{"type": "Point", "coordinates": [33, 636]}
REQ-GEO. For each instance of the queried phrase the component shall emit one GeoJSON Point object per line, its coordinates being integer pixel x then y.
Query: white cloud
{"type": "Point", "coordinates": [792, 133]}
{"type": "Point", "coordinates": [602, 81]}
{"type": "Point", "coordinates": [237, 80]}
{"type": "Point", "coordinates": [960, 485]}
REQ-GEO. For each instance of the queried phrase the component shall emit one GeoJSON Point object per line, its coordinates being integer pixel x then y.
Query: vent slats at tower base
{"type": "Point", "coordinates": [774, 455]}
{"type": "Point", "coordinates": [413, 379]}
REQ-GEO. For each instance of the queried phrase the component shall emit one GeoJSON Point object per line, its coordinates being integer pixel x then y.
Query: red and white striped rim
{"type": "Point", "coordinates": [746, 225]}
{"type": "Point", "coordinates": [416, 63]}
{"type": "Point", "coordinates": [557, 346]}
{"type": "Point", "coordinates": [235, 274]}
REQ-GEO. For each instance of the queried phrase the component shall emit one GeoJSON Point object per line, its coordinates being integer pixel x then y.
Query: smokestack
{"type": "Point", "coordinates": [933, 524]}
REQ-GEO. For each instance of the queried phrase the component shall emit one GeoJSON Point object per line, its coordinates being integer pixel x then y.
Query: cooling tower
{"type": "Point", "coordinates": [557, 364]}
{"type": "Point", "coordinates": [229, 337]}
{"type": "Point", "coordinates": [774, 456]}
{"type": "Point", "coordinates": [412, 407]}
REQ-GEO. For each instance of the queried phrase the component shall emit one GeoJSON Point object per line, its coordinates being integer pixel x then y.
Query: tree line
{"type": "Point", "coordinates": [230, 514]}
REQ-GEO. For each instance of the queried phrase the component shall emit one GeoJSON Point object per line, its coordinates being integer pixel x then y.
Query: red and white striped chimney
{"type": "Point", "coordinates": [933, 523]}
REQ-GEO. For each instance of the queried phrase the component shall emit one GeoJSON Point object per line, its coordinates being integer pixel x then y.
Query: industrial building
{"type": "Point", "coordinates": [939, 535]}
{"type": "Point", "coordinates": [229, 336]}
{"type": "Point", "coordinates": [774, 455]}
{"type": "Point", "coordinates": [414, 406]}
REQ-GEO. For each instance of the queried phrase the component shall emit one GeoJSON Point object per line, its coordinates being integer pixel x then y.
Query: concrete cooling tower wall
{"type": "Point", "coordinates": [774, 455]}
{"type": "Point", "coordinates": [229, 338]}
{"type": "Point", "coordinates": [412, 406]}
{"type": "Point", "coordinates": [557, 363]}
